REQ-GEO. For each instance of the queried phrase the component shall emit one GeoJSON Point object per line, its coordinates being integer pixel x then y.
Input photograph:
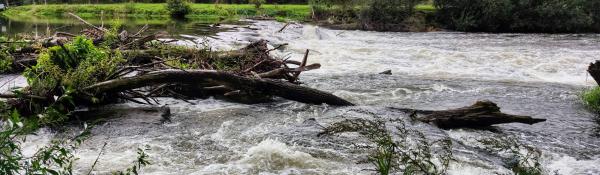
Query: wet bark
{"type": "Point", "coordinates": [253, 85]}
{"type": "Point", "coordinates": [594, 70]}
{"type": "Point", "coordinates": [480, 114]}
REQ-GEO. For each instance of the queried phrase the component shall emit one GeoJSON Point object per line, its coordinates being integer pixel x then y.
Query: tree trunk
{"type": "Point", "coordinates": [480, 114]}
{"type": "Point", "coordinates": [594, 70]}
{"type": "Point", "coordinates": [257, 85]}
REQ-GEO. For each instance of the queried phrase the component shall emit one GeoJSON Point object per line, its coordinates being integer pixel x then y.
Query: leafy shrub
{"type": "Point", "coordinates": [387, 14]}
{"type": "Point", "coordinates": [370, 14]}
{"type": "Point", "coordinates": [178, 8]}
{"type": "Point", "coordinates": [56, 158]}
{"type": "Point", "coordinates": [6, 61]}
{"type": "Point", "coordinates": [74, 65]}
{"type": "Point", "coordinates": [61, 70]}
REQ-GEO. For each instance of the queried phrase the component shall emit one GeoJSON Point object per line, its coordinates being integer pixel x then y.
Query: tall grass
{"type": "Point", "coordinates": [591, 98]}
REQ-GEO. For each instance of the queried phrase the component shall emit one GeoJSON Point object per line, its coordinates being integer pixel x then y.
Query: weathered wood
{"type": "Point", "coordinates": [480, 114]}
{"type": "Point", "coordinates": [265, 86]}
{"type": "Point", "coordinates": [87, 23]}
{"type": "Point", "coordinates": [594, 70]}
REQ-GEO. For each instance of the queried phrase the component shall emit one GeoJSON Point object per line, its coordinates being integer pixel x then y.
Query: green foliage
{"type": "Point", "coordinates": [370, 14]}
{"type": "Point", "coordinates": [7, 47]}
{"type": "Point", "coordinates": [407, 151]}
{"type": "Point", "coordinates": [74, 65]}
{"type": "Point", "coordinates": [140, 162]}
{"type": "Point", "coordinates": [518, 15]}
{"type": "Point", "coordinates": [522, 159]}
{"type": "Point", "coordinates": [60, 71]}
{"type": "Point", "coordinates": [591, 98]}
{"type": "Point", "coordinates": [56, 158]}
{"type": "Point", "coordinates": [130, 7]}
{"type": "Point", "coordinates": [6, 61]}
{"type": "Point", "coordinates": [178, 8]}
{"type": "Point", "coordinates": [177, 63]}
{"type": "Point", "coordinates": [111, 37]}
{"type": "Point", "coordinates": [387, 14]}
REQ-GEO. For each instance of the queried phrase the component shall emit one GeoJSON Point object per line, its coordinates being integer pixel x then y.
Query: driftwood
{"type": "Point", "coordinates": [266, 86]}
{"type": "Point", "coordinates": [247, 75]}
{"type": "Point", "coordinates": [594, 70]}
{"type": "Point", "coordinates": [480, 114]}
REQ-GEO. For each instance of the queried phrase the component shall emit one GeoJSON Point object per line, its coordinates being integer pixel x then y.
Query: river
{"type": "Point", "coordinates": [541, 75]}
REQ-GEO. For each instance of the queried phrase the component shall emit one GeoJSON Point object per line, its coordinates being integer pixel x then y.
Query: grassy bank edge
{"type": "Point", "coordinates": [285, 12]}
{"type": "Point", "coordinates": [148, 10]}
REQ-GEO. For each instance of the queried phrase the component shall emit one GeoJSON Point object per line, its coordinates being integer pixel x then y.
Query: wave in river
{"type": "Point", "coordinates": [509, 57]}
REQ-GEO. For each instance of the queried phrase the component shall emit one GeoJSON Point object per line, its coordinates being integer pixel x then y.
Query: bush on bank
{"type": "Point", "coordinates": [381, 15]}
{"type": "Point", "coordinates": [551, 16]}
{"type": "Point", "coordinates": [178, 8]}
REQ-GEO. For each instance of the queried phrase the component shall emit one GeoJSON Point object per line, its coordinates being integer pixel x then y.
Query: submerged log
{"type": "Point", "coordinates": [594, 70]}
{"type": "Point", "coordinates": [480, 114]}
{"type": "Point", "coordinates": [261, 85]}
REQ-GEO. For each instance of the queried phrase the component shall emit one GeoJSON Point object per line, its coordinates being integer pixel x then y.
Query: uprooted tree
{"type": "Point", "coordinates": [66, 71]}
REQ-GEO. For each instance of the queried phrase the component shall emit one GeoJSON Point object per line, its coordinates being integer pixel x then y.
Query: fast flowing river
{"type": "Point", "coordinates": [526, 74]}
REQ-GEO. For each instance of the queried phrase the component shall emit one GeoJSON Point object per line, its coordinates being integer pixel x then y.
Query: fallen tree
{"type": "Point", "coordinates": [481, 114]}
{"type": "Point", "coordinates": [223, 80]}
{"type": "Point", "coordinates": [66, 72]}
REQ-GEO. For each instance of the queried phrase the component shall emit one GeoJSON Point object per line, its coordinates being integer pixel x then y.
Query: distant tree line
{"type": "Point", "coordinates": [381, 15]}
{"type": "Point", "coordinates": [520, 15]}
{"type": "Point", "coordinates": [24, 2]}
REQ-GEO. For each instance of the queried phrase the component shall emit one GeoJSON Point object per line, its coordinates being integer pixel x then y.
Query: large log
{"type": "Point", "coordinates": [480, 114]}
{"type": "Point", "coordinates": [594, 70]}
{"type": "Point", "coordinates": [266, 86]}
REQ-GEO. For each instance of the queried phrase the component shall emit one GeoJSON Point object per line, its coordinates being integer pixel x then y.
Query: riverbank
{"type": "Point", "coordinates": [207, 12]}
{"type": "Point", "coordinates": [147, 10]}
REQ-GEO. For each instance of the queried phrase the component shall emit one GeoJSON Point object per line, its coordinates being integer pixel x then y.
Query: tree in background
{"type": "Point", "coordinates": [257, 3]}
{"type": "Point", "coordinates": [178, 8]}
{"type": "Point", "coordinates": [519, 15]}
{"type": "Point", "coordinates": [387, 14]}
{"type": "Point", "coordinates": [369, 14]}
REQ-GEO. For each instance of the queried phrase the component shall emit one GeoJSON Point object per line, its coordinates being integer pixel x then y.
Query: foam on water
{"type": "Point", "coordinates": [272, 157]}
{"type": "Point", "coordinates": [509, 57]}
{"type": "Point", "coordinates": [431, 71]}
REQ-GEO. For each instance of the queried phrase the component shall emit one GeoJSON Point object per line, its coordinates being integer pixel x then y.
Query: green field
{"type": "Point", "coordinates": [146, 10]}
{"type": "Point", "coordinates": [292, 12]}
